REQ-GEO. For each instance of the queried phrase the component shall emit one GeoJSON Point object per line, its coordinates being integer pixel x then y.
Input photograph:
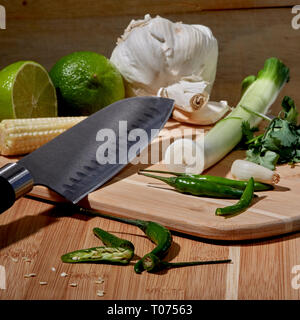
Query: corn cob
{"type": "Point", "coordinates": [21, 136]}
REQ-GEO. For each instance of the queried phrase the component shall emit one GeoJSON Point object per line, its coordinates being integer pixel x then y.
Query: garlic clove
{"type": "Point", "coordinates": [134, 24]}
{"type": "Point", "coordinates": [192, 103]}
{"type": "Point", "coordinates": [185, 92]}
{"type": "Point", "coordinates": [209, 113]}
{"type": "Point", "coordinates": [205, 112]}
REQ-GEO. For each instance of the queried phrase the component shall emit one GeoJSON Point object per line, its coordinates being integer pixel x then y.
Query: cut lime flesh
{"type": "Point", "coordinates": [33, 94]}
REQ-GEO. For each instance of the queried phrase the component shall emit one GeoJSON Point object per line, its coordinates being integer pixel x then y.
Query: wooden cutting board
{"type": "Point", "coordinates": [135, 196]}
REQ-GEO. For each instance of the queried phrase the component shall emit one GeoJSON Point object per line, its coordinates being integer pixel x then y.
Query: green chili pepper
{"type": "Point", "coordinates": [196, 187]}
{"type": "Point", "coordinates": [116, 250]}
{"type": "Point", "coordinates": [242, 204]}
{"type": "Point", "coordinates": [99, 254]}
{"type": "Point", "coordinates": [111, 240]}
{"type": "Point", "coordinates": [152, 263]}
{"type": "Point", "coordinates": [238, 184]}
{"type": "Point", "coordinates": [162, 237]}
{"type": "Point", "coordinates": [157, 233]}
{"type": "Point", "coordinates": [139, 267]}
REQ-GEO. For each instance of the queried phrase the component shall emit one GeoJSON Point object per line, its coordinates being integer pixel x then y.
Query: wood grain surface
{"type": "Point", "coordinates": [34, 235]}
{"type": "Point", "coordinates": [246, 38]}
{"type": "Point", "coordinates": [241, 53]}
{"type": "Point", "coordinates": [40, 232]}
{"type": "Point", "coordinates": [39, 9]}
{"type": "Point", "coordinates": [135, 196]}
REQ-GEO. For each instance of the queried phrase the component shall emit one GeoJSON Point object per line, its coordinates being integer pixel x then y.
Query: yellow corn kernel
{"type": "Point", "coordinates": [21, 136]}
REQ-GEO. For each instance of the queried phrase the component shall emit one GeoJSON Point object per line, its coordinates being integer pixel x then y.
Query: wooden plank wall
{"type": "Point", "coordinates": [41, 9]}
{"type": "Point", "coordinates": [46, 30]}
{"type": "Point", "coordinates": [248, 32]}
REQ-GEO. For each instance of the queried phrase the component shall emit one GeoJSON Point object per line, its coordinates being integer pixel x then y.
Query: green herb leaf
{"type": "Point", "coordinates": [291, 114]}
{"type": "Point", "coordinates": [267, 159]}
{"type": "Point", "coordinates": [297, 156]}
{"type": "Point", "coordinates": [281, 141]}
{"type": "Point", "coordinates": [281, 134]}
{"type": "Point", "coordinates": [247, 135]}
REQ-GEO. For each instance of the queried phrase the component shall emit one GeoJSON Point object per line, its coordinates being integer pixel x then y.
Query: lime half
{"type": "Point", "coordinates": [26, 91]}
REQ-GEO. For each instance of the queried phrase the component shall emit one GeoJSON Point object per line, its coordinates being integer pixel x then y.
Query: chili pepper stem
{"type": "Point", "coordinates": [161, 171]}
{"type": "Point", "coordinates": [152, 263]}
{"type": "Point", "coordinates": [193, 263]}
{"type": "Point", "coordinates": [170, 181]}
{"type": "Point", "coordinates": [135, 222]}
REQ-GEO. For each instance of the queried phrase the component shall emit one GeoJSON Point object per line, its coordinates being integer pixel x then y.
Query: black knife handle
{"type": "Point", "coordinates": [15, 181]}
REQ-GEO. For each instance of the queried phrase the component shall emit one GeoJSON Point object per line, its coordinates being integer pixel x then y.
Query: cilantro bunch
{"type": "Point", "coordinates": [280, 142]}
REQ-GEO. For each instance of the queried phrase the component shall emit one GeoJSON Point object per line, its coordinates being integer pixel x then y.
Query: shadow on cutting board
{"type": "Point", "coordinates": [64, 209]}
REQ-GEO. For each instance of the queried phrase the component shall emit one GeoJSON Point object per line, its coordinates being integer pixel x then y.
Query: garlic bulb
{"type": "Point", "coordinates": [244, 170]}
{"type": "Point", "coordinates": [158, 57]}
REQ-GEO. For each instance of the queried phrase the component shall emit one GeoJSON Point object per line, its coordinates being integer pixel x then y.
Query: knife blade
{"type": "Point", "coordinates": [73, 163]}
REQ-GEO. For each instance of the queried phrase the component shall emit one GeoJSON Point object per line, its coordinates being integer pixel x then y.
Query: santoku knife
{"type": "Point", "coordinates": [69, 164]}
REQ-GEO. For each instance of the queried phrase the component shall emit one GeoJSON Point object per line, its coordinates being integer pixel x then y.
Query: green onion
{"type": "Point", "coordinates": [258, 94]}
{"type": "Point", "coordinates": [258, 97]}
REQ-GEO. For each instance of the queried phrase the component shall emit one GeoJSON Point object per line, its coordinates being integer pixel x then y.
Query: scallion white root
{"type": "Point", "coordinates": [244, 170]}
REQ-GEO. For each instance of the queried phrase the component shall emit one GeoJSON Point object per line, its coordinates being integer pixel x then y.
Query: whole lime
{"type": "Point", "coordinates": [85, 82]}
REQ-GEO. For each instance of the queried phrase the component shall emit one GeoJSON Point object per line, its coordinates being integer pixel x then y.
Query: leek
{"type": "Point", "coordinates": [258, 94]}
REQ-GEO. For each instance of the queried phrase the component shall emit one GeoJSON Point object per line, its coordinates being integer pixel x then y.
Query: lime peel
{"type": "Point", "coordinates": [86, 82]}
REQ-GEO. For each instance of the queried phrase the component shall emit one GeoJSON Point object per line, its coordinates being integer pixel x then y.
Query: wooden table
{"type": "Point", "coordinates": [33, 234]}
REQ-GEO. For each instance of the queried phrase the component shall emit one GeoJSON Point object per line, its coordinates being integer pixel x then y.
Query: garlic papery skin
{"type": "Point", "coordinates": [158, 57]}
{"type": "Point", "coordinates": [192, 102]}
{"type": "Point", "coordinates": [244, 170]}
{"type": "Point", "coordinates": [189, 93]}
{"type": "Point", "coordinates": [209, 113]}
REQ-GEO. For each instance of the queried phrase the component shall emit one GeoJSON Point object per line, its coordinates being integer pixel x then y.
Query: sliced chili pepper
{"type": "Point", "coordinates": [111, 240]}
{"type": "Point", "coordinates": [196, 187]}
{"type": "Point", "coordinates": [242, 204]}
{"type": "Point", "coordinates": [238, 184]}
{"type": "Point", "coordinates": [99, 255]}
{"type": "Point", "coordinates": [160, 235]}
{"type": "Point", "coordinates": [116, 250]}
{"type": "Point", "coordinates": [157, 233]}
